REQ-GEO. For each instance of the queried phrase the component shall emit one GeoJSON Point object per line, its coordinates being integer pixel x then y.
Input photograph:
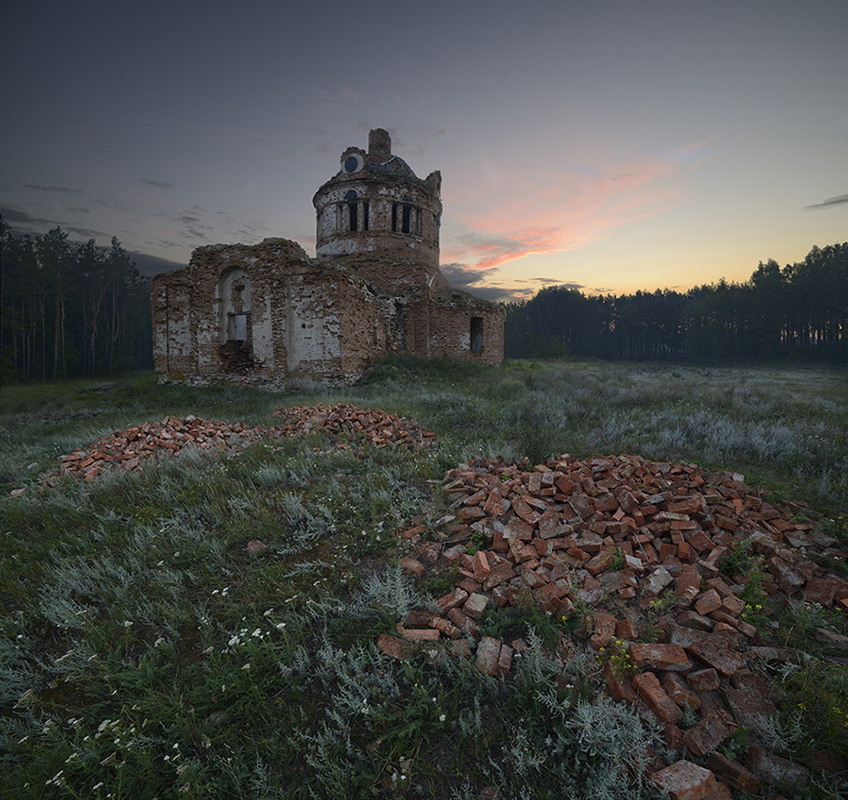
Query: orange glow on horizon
{"type": "Point", "coordinates": [534, 212]}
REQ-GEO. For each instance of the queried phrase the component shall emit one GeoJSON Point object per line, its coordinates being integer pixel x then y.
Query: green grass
{"type": "Point", "coordinates": [144, 652]}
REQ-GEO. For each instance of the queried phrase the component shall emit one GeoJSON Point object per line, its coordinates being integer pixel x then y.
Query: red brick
{"type": "Point", "coordinates": [620, 687]}
{"type": "Point", "coordinates": [527, 514]}
{"type": "Point", "coordinates": [706, 735]}
{"type": "Point", "coordinates": [518, 529]}
{"type": "Point", "coordinates": [626, 629]}
{"type": "Point", "coordinates": [603, 624]}
{"type": "Point", "coordinates": [504, 659]}
{"type": "Point", "coordinates": [488, 653]}
{"type": "Point", "coordinates": [688, 585]}
{"type": "Point", "coordinates": [708, 601]}
{"type": "Point", "coordinates": [498, 575]}
{"type": "Point", "coordinates": [733, 605]}
{"type": "Point", "coordinates": [475, 605]}
{"type": "Point", "coordinates": [703, 680]}
{"type": "Point", "coordinates": [394, 647]}
{"type": "Point", "coordinates": [670, 657]}
{"type": "Point", "coordinates": [451, 600]}
{"type": "Point", "coordinates": [684, 780]}
{"type": "Point", "coordinates": [734, 773]}
{"type": "Point", "coordinates": [716, 655]}
{"type": "Point", "coordinates": [480, 565]}
{"type": "Point", "coordinates": [819, 590]}
{"type": "Point", "coordinates": [649, 689]}
{"type": "Point", "coordinates": [677, 689]}
{"type": "Point", "coordinates": [418, 634]}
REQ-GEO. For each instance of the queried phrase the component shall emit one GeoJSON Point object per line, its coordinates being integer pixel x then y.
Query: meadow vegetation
{"type": "Point", "coordinates": [145, 652]}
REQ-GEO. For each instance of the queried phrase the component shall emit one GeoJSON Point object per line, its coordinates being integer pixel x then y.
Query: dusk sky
{"type": "Point", "coordinates": [606, 145]}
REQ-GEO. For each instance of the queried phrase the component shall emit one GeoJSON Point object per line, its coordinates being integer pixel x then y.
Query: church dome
{"type": "Point", "coordinates": [376, 206]}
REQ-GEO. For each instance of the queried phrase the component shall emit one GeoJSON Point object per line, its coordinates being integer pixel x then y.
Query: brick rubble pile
{"type": "Point", "coordinates": [130, 448]}
{"type": "Point", "coordinates": [650, 538]}
{"type": "Point", "coordinates": [345, 421]}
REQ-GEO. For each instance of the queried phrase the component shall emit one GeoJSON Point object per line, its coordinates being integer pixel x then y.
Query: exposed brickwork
{"type": "Point", "coordinates": [267, 314]}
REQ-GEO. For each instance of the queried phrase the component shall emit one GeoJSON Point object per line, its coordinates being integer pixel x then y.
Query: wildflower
{"type": "Point", "coordinates": [246, 666]}
{"type": "Point", "coordinates": [127, 623]}
{"type": "Point", "coordinates": [442, 717]}
{"type": "Point", "coordinates": [280, 625]}
{"type": "Point", "coordinates": [96, 786]}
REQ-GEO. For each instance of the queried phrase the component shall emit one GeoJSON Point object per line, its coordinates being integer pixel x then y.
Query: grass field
{"type": "Point", "coordinates": [144, 653]}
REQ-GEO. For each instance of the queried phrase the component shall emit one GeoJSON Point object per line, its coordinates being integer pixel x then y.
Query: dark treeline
{"type": "Point", "coordinates": [797, 312]}
{"type": "Point", "coordinates": [70, 308]}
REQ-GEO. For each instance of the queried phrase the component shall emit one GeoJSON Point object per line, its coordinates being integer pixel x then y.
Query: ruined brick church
{"type": "Point", "coordinates": [268, 315]}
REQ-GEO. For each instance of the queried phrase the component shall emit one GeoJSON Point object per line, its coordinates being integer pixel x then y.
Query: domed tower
{"type": "Point", "coordinates": [376, 208]}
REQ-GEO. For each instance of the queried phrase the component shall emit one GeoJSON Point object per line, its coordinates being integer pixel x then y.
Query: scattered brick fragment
{"type": "Point", "coordinates": [684, 780]}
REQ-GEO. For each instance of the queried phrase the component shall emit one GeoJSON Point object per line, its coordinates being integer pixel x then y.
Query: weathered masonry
{"type": "Point", "coordinates": [268, 314]}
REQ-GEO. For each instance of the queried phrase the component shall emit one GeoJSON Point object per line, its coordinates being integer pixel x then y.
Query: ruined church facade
{"type": "Point", "coordinates": [269, 315]}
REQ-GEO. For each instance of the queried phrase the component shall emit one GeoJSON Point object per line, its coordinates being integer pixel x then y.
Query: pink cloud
{"type": "Point", "coordinates": [525, 211]}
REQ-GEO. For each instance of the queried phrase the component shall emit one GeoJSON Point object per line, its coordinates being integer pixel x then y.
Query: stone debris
{"type": "Point", "coordinates": [638, 545]}
{"type": "Point", "coordinates": [345, 421]}
{"type": "Point", "coordinates": [130, 448]}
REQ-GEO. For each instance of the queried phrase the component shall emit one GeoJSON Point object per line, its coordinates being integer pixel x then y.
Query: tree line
{"type": "Point", "coordinates": [799, 312]}
{"type": "Point", "coordinates": [70, 308]}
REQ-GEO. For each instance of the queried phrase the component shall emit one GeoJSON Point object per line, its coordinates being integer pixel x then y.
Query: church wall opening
{"type": "Point", "coordinates": [476, 334]}
{"type": "Point", "coordinates": [234, 300]}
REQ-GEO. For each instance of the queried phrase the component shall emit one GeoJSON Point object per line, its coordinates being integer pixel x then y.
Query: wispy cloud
{"type": "Point", "coordinates": [479, 282]}
{"type": "Point", "coordinates": [16, 216]}
{"type": "Point", "coordinates": [153, 265]}
{"type": "Point", "coordinates": [461, 276]}
{"type": "Point", "coordinates": [831, 201]}
{"type": "Point", "coordinates": [57, 189]}
{"type": "Point", "coordinates": [87, 233]}
{"type": "Point", "coordinates": [528, 211]}
{"type": "Point", "coordinates": [158, 184]}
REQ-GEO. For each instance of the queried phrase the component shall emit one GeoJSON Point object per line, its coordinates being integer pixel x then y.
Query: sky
{"type": "Point", "coordinates": [609, 146]}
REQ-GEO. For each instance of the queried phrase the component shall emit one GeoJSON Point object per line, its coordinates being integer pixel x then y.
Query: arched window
{"type": "Point", "coordinates": [353, 213]}
{"type": "Point", "coordinates": [406, 218]}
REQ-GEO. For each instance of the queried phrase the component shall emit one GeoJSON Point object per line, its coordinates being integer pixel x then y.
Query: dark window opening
{"type": "Point", "coordinates": [237, 328]}
{"type": "Point", "coordinates": [406, 219]}
{"type": "Point", "coordinates": [351, 207]}
{"type": "Point", "coordinates": [239, 287]}
{"type": "Point", "coordinates": [365, 215]}
{"type": "Point", "coordinates": [476, 334]}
